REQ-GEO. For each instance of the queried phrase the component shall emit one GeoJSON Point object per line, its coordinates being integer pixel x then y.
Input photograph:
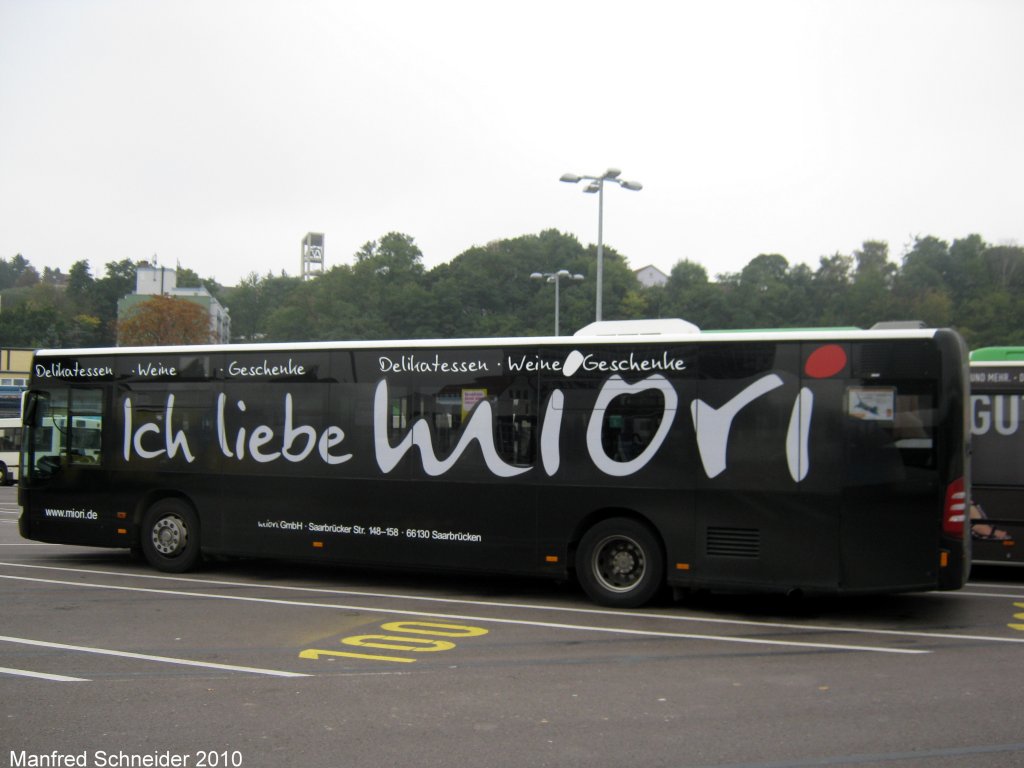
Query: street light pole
{"type": "Point", "coordinates": [597, 185]}
{"type": "Point", "coordinates": [554, 277]}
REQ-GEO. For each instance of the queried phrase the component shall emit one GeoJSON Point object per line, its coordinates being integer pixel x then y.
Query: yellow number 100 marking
{"type": "Point", "coordinates": [454, 630]}
{"type": "Point", "coordinates": [1017, 616]}
{"type": "Point", "coordinates": [401, 643]}
{"type": "Point", "coordinates": [316, 653]}
{"type": "Point", "coordinates": [372, 641]}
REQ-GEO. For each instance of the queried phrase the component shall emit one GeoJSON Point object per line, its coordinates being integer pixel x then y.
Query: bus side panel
{"type": "Point", "coordinates": [904, 411]}
{"type": "Point", "coordinates": [604, 421]}
{"type": "Point", "coordinates": [767, 517]}
{"type": "Point", "coordinates": [954, 439]}
{"type": "Point", "coordinates": [78, 504]}
{"type": "Point", "coordinates": [398, 523]}
{"type": "Point", "coordinates": [78, 509]}
{"type": "Point", "coordinates": [997, 402]}
{"type": "Point", "coordinates": [413, 499]}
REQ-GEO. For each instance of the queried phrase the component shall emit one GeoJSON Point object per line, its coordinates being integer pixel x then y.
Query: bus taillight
{"type": "Point", "coordinates": [955, 512]}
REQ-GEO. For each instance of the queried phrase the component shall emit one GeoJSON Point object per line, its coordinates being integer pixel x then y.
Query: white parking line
{"type": "Point", "coordinates": [485, 619]}
{"type": "Point", "coordinates": [42, 675]}
{"type": "Point", "coordinates": [669, 617]}
{"type": "Point", "coordinates": [149, 657]}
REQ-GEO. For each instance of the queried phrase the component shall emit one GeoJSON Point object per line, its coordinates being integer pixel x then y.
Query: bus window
{"type": "Point", "coordinates": [914, 429]}
{"type": "Point", "coordinates": [43, 439]}
{"type": "Point", "coordinates": [86, 423]}
{"type": "Point", "coordinates": [446, 410]}
{"type": "Point", "coordinates": [10, 445]}
{"type": "Point", "coordinates": [63, 427]}
{"type": "Point", "coordinates": [630, 424]}
{"type": "Point", "coordinates": [517, 424]}
{"type": "Point", "coordinates": [10, 439]}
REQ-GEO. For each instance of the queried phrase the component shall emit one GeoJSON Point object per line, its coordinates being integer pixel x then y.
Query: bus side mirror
{"type": "Point", "coordinates": [30, 407]}
{"type": "Point", "coordinates": [28, 415]}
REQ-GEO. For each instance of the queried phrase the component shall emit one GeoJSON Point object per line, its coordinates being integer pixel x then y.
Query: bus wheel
{"type": "Point", "coordinates": [5, 476]}
{"type": "Point", "coordinates": [620, 563]}
{"type": "Point", "coordinates": [170, 536]}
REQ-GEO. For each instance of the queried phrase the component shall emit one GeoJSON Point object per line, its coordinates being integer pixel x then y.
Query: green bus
{"type": "Point", "coordinates": [997, 467]}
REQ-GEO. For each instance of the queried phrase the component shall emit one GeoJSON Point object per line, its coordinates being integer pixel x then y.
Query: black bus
{"type": "Point", "coordinates": [814, 461]}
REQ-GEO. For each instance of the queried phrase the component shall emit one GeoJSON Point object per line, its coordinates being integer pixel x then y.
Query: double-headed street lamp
{"type": "Point", "coordinates": [554, 277]}
{"type": "Point", "coordinates": [597, 185]}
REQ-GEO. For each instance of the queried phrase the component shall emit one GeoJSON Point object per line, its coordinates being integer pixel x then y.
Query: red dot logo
{"type": "Point", "coordinates": [825, 361]}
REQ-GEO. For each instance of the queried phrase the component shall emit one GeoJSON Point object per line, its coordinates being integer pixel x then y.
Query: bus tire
{"type": "Point", "coordinates": [5, 474]}
{"type": "Point", "coordinates": [170, 536]}
{"type": "Point", "coordinates": [620, 563]}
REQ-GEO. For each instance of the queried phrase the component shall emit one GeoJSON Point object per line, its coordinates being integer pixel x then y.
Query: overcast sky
{"type": "Point", "coordinates": [218, 133]}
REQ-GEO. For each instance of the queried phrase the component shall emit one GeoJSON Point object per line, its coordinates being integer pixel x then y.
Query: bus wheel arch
{"type": "Point", "coordinates": [620, 561]}
{"type": "Point", "coordinates": [169, 535]}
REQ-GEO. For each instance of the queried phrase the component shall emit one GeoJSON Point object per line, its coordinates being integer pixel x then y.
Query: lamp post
{"type": "Point", "coordinates": [554, 277]}
{"type": "Point", "coordinates": [597, 185]}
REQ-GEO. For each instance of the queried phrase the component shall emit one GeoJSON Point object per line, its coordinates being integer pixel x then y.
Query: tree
{"type": "Point", "coordinates": [52, 276]}
{"type": "Point", "coordinates": [831, 289]}
{"type": "Point", "coordinates": [29, 277]}
{"type": "Point", "coordinates": [31, 325]}
{"type": "Point", "coordinates": [116, 284]}
{"type": "Point", "coordinates": [189, 278]}
{"type": "Point", "coordinates": [12, 271]}
{"type": "Point", "coordinates": [761, 293]}
{"type": "Point", "coordinates": [690, 295]}
{"type": "Point", "coordinates": [928, 266]}
{"type": "Point", "coordinates": [395, 254]}
{"type": "Point", "coordinates": [486, 291]}
{"type": "Point", "coordinates": [250, 305]}
{"type": "Point", "coordinates": [164, 320]}
{"type": "Point", "coordinates": [969, 255]}
{"type": "Point", "coordinates": [80, 284]}
{"type": "Point", "coordinates": [1006, 265]}
{"type": "Point", "coordinates": [870, 295]}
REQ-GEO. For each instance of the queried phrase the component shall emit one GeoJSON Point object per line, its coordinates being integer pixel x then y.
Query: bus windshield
{"type": "Point", "coordinates": [62, 427]}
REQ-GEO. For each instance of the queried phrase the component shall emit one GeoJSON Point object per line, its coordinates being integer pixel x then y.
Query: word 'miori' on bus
{"type": "Point", "coordinates": [821, 461]}
{"type": "Point", "coordinates": [997, 389]}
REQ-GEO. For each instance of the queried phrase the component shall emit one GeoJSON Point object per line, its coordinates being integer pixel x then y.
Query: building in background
{"type": "Point", "coordinates": [312, 255]}
{"type": "Point", "coordinates": [152, 281]}
{"type": "Point", "coordinates": [15, 368]}
{"type": "Point", "coordinates": [650, 276]}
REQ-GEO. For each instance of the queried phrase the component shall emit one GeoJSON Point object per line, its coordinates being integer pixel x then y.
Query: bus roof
{"type": "Point", "coordinates": [998, 355]}
{"type": "Point", "coordinates": [661, 327]}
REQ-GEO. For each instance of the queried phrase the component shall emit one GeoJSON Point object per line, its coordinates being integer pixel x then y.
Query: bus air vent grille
{"type": "Point", "coordinates": [734, 542]}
